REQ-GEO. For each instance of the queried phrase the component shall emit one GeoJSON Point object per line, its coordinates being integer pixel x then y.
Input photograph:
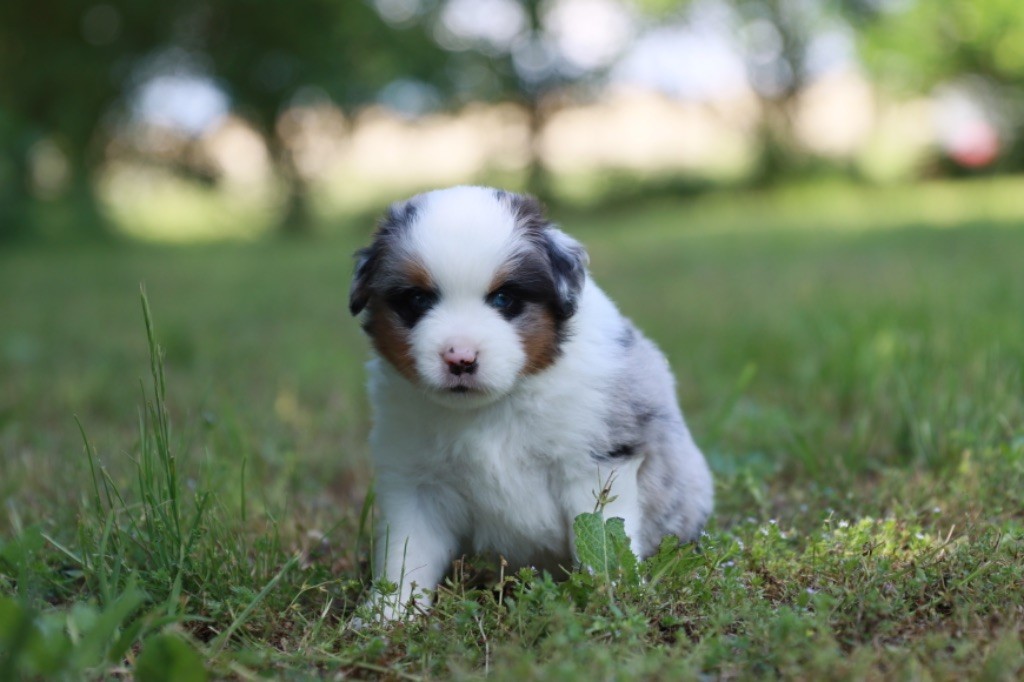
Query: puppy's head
{"type": "Point", "coordinates": [466, 290]}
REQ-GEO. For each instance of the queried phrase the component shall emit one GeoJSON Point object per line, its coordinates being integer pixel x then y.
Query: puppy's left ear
{"type": "Point", "coordinates": [568, 266]}
{"type": "Point", "coordinates": [359, 293]}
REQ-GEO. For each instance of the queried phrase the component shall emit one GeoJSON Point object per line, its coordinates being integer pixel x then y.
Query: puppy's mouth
{"type": "Point", "coordinates": [464, 389]}
{"type": "Point", "coordinates": [462, 392]}
{"type": "Point", "coordinates": [464, 385]}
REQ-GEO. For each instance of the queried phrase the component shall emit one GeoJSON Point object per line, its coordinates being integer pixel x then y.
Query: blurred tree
{"type": "Point", "coordinates": [916, 46]}
{"type": "Point", "coordinates": [520, 51]}
{"type": "Point", "coordinates": [775, 39]}
{"type": "Point", "coordinates": [270, 55]}
{"type": "Point", "coordinates": [919, 44]}
{"type": "Point", "coordinates": [526, 72]}
{"type": "Point", "coordinates": [530, 84]}
{"type": "Point", "coordinates": [67, 66]}
{"type": "Point", "coordinates": [63, 64]}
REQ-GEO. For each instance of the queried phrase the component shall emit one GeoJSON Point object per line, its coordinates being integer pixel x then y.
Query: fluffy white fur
{"type": "Point", "coordinates": [504, 464]}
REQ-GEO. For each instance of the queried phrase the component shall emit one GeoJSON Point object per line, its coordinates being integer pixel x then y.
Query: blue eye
{"type": "Point", "coordinates": [411, 304]}
{"type": "Point", "coordinates": [500, 300]}
{"type": "Point", "coordinates": [506, 303]}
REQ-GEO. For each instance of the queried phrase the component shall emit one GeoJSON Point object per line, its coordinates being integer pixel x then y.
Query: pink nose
{"type": "Point", "coordinates": [460, 359]}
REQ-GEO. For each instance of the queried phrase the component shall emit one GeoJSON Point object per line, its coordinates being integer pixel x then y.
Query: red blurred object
{"type": "Point", "coordinates": [975, 145]}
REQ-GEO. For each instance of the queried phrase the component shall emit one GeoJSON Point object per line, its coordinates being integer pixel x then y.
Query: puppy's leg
{"type": "Point", "coordinates": [413, 551]}
{"type": "Point", "coordinates": [625, 503]}
{"type": "Point", "coordinates": [675, 485]}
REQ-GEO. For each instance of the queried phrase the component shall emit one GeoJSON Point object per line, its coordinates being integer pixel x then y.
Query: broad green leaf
{"type": "Point", "coordinates": [618, 542]}
{"type": "Point", "coordinates": [603, 547]}
{"type": "Point", "coordinates": [592, 544]}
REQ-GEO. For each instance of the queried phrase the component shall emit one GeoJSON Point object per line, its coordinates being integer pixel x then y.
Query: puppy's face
{"type": "Point", "coordinates": [466, 290]}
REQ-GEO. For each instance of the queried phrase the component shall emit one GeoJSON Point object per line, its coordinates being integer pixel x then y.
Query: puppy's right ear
{"type": "Point", "coordinates": [359, 293]}
{"type": "Point", "coordinates": [396, 220]}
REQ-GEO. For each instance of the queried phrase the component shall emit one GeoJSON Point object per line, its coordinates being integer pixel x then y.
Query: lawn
{"type": "Point", "coordinates": [850, 360]}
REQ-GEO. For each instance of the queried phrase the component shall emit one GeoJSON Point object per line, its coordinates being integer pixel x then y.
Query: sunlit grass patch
{"type": "Point", "coordinates": [153, 205]}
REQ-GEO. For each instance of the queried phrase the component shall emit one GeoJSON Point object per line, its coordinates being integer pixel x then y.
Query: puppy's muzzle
{"type": "Point", "coordinates": [460, 360]}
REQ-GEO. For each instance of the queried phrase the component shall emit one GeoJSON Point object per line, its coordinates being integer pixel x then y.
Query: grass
{"type": "Point", "coordinates": [857, 385]}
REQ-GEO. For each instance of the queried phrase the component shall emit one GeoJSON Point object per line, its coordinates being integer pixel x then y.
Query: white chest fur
{"type": "Point", "coordinates": [509, 477]}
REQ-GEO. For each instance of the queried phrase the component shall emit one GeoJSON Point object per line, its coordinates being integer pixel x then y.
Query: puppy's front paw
{"type": "Point", "coordinates": [389, 607]}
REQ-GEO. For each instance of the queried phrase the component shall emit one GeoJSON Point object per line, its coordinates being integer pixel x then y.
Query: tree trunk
{"type": "Point", "coordinates": [89, 222]}
{"type": "Point", "coordinates": [538, 181]}
{"type": "Point", "coordinates": [15, 197]}
{"type": "Point", "coordinates": [297, 217]}
{"type": "Point", "coordinates": [779, 156]}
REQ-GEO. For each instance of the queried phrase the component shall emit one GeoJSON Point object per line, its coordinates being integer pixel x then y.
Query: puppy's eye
{"type": "Point", "coordinates": [506, 303]}
{"type": "Point", "coordinates": [500, 300]}
{"type": "Point", "coordinates": [420, 301]}
{"type": "Point", "coordinates": [412, 304]}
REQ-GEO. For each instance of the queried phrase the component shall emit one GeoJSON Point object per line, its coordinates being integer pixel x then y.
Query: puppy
{"type": "Point", "coordinates": [506, 389]}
